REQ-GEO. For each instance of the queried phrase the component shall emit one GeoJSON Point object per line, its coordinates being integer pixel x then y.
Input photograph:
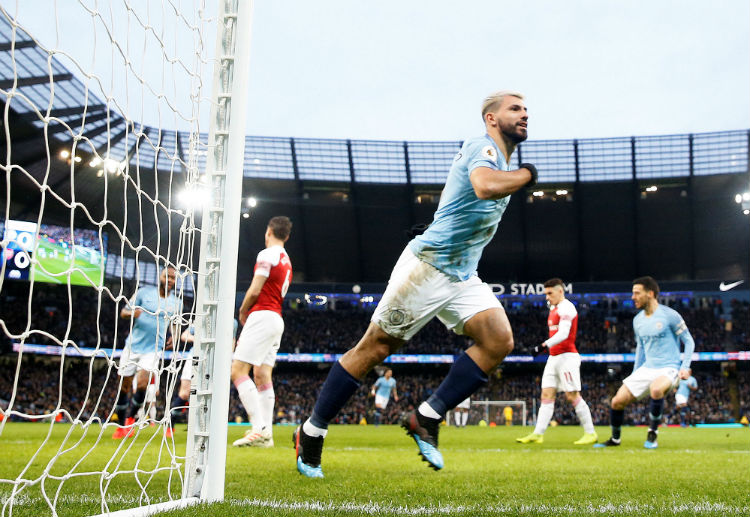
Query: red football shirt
{"type": "Point", "coordinates": [565, 310]}
{"type": "Point", "coordinates": [274, 264]}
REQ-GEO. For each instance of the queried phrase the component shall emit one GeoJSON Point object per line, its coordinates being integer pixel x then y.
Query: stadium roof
{"type": "Point", "coordinates": [70, 147]}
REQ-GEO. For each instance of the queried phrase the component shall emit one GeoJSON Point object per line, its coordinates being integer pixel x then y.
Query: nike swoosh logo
{"type": "Point", "coordinates": [727, 287]}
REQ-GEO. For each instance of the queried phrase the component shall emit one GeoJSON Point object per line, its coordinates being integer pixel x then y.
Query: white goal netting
{"type": "Point", "coordinates": [108, 162]}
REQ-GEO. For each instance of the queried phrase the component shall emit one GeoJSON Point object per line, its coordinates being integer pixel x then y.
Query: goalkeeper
{"type": "Point", "coordinates": [436, 276]}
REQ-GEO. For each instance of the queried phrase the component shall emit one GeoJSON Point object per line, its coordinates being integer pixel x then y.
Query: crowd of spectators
{"type": "Point", "coordinates": [82, 316]}
{"type": "Point", "coordinates": [89, 389]}
{"type": "Point", "coordinates": [79, 315]}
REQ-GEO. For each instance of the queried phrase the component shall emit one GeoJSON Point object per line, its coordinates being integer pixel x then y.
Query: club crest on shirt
{"type": "Point", "coordinates": [489, 152]}
{"type": "Point", "coordinates": [396, 317]}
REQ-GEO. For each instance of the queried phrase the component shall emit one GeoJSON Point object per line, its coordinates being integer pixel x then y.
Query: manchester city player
{"type": "Point", "coordinates": [436, 276]}
{"type": "Point", "coordinates": [682, 395]}
{"type": "Point", "coordinates": [151, 311]}
{"type": "Point", "coordinates": [658, 332]}
{"type": "Point", "coordinates": [382, 390]}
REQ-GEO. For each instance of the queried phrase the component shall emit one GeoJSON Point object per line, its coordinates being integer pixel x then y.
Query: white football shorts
{"type": "Point", "coordinates": [260, 338]}
{"type": "Point", "coordinates": [680, 399]}
{"type": "Point", "coordinates": [417, 292]}
{"type": "Point", "coordinates": [563, 372]}
{"type": "Point", "coordinates": [640, 380]}
{"type": "Point", "coordinates": [465, 404]}
{"type": "Point", "coordinates": [381, 402]}
{"type": "Point", "coordinates": [187, 367]}
{"type": "Point", "coordinates": [131, 362]}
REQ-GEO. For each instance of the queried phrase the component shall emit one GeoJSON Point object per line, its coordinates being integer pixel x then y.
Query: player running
{"type": "Point", "coordinates": [658, 332]}
{"type": "Point", "coordinates": [262, 327]}
{"type": "Point", "coordinates": [152, 311]}
{"type": "Point", "coordinates": [563, 369]}
{"type": "Point", "coordinates": [383, 388]}
{"type": "Point", "coordinates": [682, 395]}
{"type": "Point", "coordinates": [436, 276]}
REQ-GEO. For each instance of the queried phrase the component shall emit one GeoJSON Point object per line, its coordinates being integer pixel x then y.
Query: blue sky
{"type": "Point", "coordinates": [419, 70]}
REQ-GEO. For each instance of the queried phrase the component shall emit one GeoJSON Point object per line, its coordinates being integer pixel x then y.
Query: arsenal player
{"type": "Point", "coordinates": [262, 327]}
{"type": "Point", "coordinates": [563, 369]}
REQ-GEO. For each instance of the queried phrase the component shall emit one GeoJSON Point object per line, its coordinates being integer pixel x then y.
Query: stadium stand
{"type": "Point", "coordinates": [605, 327]}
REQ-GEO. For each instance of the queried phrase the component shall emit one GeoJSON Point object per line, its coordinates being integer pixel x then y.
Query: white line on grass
{"type": "Point", "coordinates": [374, 508]}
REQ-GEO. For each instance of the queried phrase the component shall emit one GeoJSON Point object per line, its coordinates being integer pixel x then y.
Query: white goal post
{"type": "Point", "coordinates": [118, 164]}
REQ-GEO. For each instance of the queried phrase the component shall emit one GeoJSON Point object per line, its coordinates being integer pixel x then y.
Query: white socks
{"type": "Point", "coordinates": [251, 401]}
{"type": "Point", "coordinates": [313, 431]}
{"type": "Point", "coordinates": [545, 415]}
{"type": "Point", "coordinates": [426, 410]}
{"type": "Point", "coordinates": [548, 408]}
{"type": "Point", "coordinates": [584, 415]}
{"type": "Point", "coordinates": [267, 401]}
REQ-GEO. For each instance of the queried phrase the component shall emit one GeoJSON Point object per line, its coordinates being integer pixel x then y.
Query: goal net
{"type": "Point", "coordinates": [122, 158]}
{"type": "Point", "coordinates": [489, 412]}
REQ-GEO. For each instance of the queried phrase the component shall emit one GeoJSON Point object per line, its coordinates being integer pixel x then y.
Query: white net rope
{"type": "Point", "coordinates": [102, 158]}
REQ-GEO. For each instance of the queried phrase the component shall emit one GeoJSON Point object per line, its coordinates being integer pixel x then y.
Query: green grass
{"type": "Point", "coordinates": [377, 471]}
{"type": "Point", "coordinates": [85, 274]}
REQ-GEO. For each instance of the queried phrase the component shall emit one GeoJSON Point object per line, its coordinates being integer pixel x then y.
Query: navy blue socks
{"type": "Point", "coordinates": [655, 414]}
{"type": "Point", "coordinates": [464, 378]}
{"type": "Point", "coordinates": [616, 418]}
{"type": "Point", "coordinates": [336, 391]}
{"type": "Point", "coordinates": [121, 407]}
{"type": "Point", "coordinates": [136, 402]}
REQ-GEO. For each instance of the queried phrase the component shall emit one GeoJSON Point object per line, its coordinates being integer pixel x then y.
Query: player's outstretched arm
{"type": "Point", "coordinates": [494, 184]}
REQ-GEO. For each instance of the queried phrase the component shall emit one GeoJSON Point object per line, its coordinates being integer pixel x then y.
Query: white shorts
{"type": "Point", "coordinates": [260, 338]}
{"type": "Point", "coordinates": [381, 402]}
{"type": "Point", "coordinates": [187, 367]}
{"type": "Point", "coordinates": [465, 404]}
{"type": "Point", "coordinates": [417, 292]}
{"type": "Point", "coordinates": [640, 380]}
{"type": "Point", "coordinates": [563, 372]}
{"type": "Point", "coordinates": [680, 399]}
{"type": "Point", "coordinates": [131, 362]}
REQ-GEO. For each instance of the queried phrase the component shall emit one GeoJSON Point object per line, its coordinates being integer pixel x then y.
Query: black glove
{"type": "Point", "coordinates": [538, 350]}
{"type": "Point", "coordinates": [534, 174]}
{"type": "Point", "coordinates": [417, 229]}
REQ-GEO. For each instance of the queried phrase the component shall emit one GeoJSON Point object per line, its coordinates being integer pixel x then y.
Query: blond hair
{"type": "Point", "coordinates": [493, 101]}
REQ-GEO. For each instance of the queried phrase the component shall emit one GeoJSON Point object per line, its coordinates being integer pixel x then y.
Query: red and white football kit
{"type": "Point", "coordinates": [260, 338]}
{"type": "Point", "coordinates": [563, 368]}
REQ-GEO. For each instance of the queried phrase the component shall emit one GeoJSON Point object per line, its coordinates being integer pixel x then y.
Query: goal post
{"type": "Point", "coordinates": [110, 176]}
{"type": "Point", "coordinates": [217, 284]}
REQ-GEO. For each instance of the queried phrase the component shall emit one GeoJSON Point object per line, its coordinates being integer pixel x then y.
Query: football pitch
{"type": "Point", "coordinates": [376, 471]}
{"type": "Point", "coordinates": [52, 259]}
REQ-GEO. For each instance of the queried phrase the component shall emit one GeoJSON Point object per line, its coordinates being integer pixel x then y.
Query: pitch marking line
{"type": "Point", "coordinates": [374, 508]}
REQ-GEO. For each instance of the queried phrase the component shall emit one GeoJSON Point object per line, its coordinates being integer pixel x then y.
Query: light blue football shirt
{"type": "Point", "coordinates": [658, 339]}
{"type": "Point", "coordinates": [384, 386]}
{"type": "Point", "coordinates": [463, 224]}
{"type": "Point", "coordinates": [150, 328]}
{"type": "Point", "coordinates": [685, 385]}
